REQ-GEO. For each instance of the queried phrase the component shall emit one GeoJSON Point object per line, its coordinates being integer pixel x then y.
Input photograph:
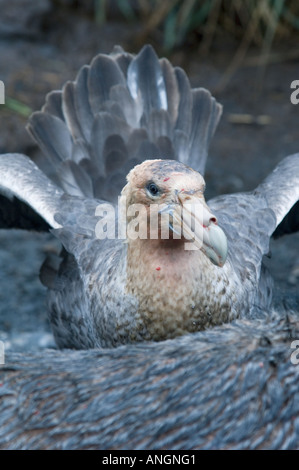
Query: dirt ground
{"type": "Point", "coordinates": [38, 53]}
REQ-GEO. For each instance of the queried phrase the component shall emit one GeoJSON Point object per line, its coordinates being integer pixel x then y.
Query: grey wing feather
{"type": "Point", "coordinates": [281, 187]}
{"type": "Point", "coordinates": [104, 73]}
{"type": "Point", "coordinates": [69, 111]}
{"type": "Point", "coordinates": [159, 125]}
{"type": "Point", "coordinates": [82, 105]}
{"type": "Point", "coordinates": [172, 89]}
{"type": "Point", "coordinates": [53, 104]}
{"type": "Point", "coordinates": [75, 180]}
{"type": "Point", "coordinates": [184, 118]}
{"type": "Point", "coordinates": [145, 79]}
{"type": "Point", "coordinates": [289, 224]}
{"type": "Point", "coordinates": [122, 58]}
{"type": "Point", "coordinates": [77, 220]}
{"type": "Point", "coordinates": [206, 113]}
{"type": "Point", "coordinates": [20, 178]}
{"type": "Point", "coordinates": [145, 101]}
{"type": "Point", "coordinates": [52, 135]}
{"type": "Point", "coordinates": [248, 224]}
{"type": "Point", "coordinates": [249, 219]}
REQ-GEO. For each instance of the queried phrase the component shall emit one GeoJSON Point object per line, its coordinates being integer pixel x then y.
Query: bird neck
{"type": "Point", "coordinates": [170, 284]}
{"type": "Point", "coordinates": [159, 257]}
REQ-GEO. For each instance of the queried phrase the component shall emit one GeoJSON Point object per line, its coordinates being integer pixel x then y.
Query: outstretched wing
{"type": "Point", "coordinates": [120, 111]}
{"type": "Point", "coordinates": [28, 199]}
{"type": "Point", "coordinates": [250, 219]}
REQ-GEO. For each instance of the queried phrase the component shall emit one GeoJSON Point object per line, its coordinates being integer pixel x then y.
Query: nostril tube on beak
{"type": "Point", "coordinates": [208, 218]}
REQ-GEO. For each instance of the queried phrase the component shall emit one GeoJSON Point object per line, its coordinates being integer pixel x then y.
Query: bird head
{"type": "Point", "coordinates": [174, 192]}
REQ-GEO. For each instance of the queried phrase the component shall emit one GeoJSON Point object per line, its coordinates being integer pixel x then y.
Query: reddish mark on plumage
{"type": "Point", "coordinates": [158, 268]}
{"type": "Point", "coordinates": [182, 189]}
{"type": "Point", "coordinates": [166, 179]}
{"type": "Point", "coordinates": [261, 364]}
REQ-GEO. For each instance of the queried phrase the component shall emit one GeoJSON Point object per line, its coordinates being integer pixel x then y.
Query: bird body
{"type": "Point", "coordinates": [210, 361]}
{"type": "Point", "coordinates": [132, 127]}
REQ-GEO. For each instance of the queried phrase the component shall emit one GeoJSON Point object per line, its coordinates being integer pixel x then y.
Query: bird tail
{"type": "Point", "coordinates": [120, 111]}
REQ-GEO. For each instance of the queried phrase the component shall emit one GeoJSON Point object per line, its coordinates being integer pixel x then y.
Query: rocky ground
{"type": "Point", "coordinates": [43, 44]}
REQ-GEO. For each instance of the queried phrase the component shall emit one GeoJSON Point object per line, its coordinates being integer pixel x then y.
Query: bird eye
{"type": "Point", "coordinates": [152, 189]}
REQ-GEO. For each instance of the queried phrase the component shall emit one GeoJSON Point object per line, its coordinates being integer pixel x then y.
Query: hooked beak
{"type": "Point", "coordinates": [192, 219]}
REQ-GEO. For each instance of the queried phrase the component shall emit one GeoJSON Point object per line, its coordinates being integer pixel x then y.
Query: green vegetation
{"type": "Point", "coordinates": [180, 22]}
{"type": "Point", "coordinates": [17, 106]}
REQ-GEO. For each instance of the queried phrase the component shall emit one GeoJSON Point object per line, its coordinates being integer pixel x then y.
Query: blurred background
{"type": "Point", "coordinates": [246, 52]}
